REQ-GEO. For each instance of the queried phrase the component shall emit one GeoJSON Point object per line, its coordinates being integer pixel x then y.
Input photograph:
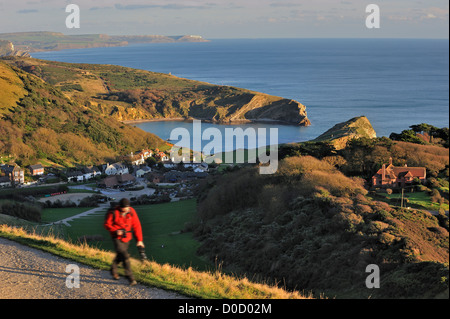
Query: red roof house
{"type": "Point", "coordinates": [393, 176]}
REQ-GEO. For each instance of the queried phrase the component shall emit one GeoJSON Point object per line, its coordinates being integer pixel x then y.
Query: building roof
{"type": "Point", "coordinates": [36, 166]}
{"type": "Point", "coordinates": [392, 172]}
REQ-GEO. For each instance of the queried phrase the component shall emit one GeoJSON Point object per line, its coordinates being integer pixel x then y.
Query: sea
{"type": "Point", "coordinates": [395, 83]}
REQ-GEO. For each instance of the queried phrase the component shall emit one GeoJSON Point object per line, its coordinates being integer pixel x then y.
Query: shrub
{"type": "Point", "coordinates": [21, 210]}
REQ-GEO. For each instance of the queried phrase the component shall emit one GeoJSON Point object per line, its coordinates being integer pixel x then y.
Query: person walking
{"type": "Point", "coordinates": [121, 221]}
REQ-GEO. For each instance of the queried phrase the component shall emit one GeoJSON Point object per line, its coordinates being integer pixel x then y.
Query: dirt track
{"type": "Point", "coordinates": [27, 273]}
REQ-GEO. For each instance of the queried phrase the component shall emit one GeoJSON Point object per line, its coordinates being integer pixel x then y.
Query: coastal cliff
{"type": "Point", "coordinates": [136, 95]}
{"type": "Point", "coordinates": [7, 49]}
{"type": "Point", "coordinates": [341, 133]}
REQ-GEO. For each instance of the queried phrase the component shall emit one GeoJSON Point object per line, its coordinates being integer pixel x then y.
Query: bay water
{"type": "Point", "coordinates": [396, 83]}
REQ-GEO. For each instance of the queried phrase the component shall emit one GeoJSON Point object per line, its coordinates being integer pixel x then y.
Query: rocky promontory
{"type": "Point", "coordinates": [136, 95]}
{"type": "Point", "coordinates": [341, 133]}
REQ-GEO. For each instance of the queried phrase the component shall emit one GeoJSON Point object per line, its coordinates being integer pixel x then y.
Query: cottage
{"type": "Point", "coordinates": [117, 181]}
{"type": "Point", "coordinates": [116, 169]}
{"type": "Point", "coordinates": [142, 171]}
{"type": "Point", "coordinates": [145, 153]}
{"type": "Point", "coordinates": [15, 174]}
{"type": "Point", "coordinates": [75, 176]}
{"type": "Point", "coordinates": [36, 170]}
{"type": "Point", "coordinates": [90, 172]}
{"type": "Point", "coordinates": [392, 176]}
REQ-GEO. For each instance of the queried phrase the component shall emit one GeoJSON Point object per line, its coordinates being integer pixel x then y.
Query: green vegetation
{"type": "Point", "coordinates": [424, 134]}
{"type": "Point", "coordinates": [51, 215]}
{"type": "Point", "coordinates": [45, 124]}
{"type": "Point", "coordinates": [164, 227]}
{"type": "Point", "coordinates": [317, 229]}
{"type": "Point", "coordinates": [129, 94]}
{"type": "Point", "coordinates": [340, 134]}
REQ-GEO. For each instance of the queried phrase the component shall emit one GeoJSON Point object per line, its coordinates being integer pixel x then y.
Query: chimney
{"type": "Point", "coordinates": [390, 161]}
{"type": "Point", "coordinates": [383, 174]}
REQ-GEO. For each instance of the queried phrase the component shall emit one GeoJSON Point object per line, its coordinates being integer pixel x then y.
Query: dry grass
{"type": "Point", "coordinates": [208, 285]}
{"type": "Point", "coordinates": [11, 88]}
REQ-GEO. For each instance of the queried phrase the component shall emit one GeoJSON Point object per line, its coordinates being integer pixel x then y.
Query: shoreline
{"type": "Point", "coordinates": [190, 120]}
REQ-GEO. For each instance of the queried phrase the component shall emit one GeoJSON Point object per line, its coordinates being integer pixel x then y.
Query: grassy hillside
{"type": "Point", "coordinates": [162, 226]}
{"type": "Point", "coordinates": [37, 121]}
{"type": "Point", "coordinates": [341, 133]}
{"type": "Point", "coordinates": [310, 226]}
{"type": "Point", "coordinates": [130, 94]}
{"type": "Point", "coordinates": [11, 88]}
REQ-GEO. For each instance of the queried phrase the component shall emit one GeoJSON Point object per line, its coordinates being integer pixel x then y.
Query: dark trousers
{"type": "Point", "coordinates": [122, 256]}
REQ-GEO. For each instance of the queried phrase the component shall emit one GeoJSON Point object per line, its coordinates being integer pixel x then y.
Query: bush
{"type": "Point", "coordinates": [21, 210]}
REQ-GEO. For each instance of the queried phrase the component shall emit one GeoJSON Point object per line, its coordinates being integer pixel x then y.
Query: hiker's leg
{"type": "Point", "coordinates": [118, 259]}
{"type": "Point", "coordinates": [122, 248]}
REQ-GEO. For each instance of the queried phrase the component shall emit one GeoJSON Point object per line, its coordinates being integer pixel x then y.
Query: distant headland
{"type": "Point", "coordinates": [54, 41]}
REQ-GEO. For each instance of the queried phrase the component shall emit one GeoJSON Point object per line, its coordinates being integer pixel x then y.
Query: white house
{"type": "Point", "coordinates": [75, 176]}
{"type": "Point", "coordinates": [91, 172]}
{"type": "Point", "coordinates": [116, 169]}
{"type": "Point", "coordinates": [142, 171]}
{"type": "Point", "coordinates": [202, 167]}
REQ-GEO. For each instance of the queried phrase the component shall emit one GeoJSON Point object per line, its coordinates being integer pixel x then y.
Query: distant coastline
{"type": "Point", "coordinates": [31, 42]}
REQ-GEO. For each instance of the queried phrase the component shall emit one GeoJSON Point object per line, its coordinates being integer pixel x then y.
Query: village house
{"type": "Point", "coordinates": [392, 177]}
{"type": "Point", "coordinates": [116, 169]}
{"type": "Point", "coordinates": [140, 172]}
{"type": "Point", "coordinates": [36, 170]}
{"type": "Point", "coordinates": [117, 181]}
{"type": "Point", "coordinates": [15, 174]}
{"type": "Point", "coordinates": [145, 153]}
{"type": "Point", "coordinates": [155, 178]}
{"type": "Point", "coordinates": [161, 156]}
{"type": "Point", "coordinates": [75, 176]}
{"type": "Point", "coordinates": [90, 172]}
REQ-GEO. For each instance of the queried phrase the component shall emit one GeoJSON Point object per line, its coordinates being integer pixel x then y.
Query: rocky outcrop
{"type": "Point", "coordinates": [283, 110]}
{"type": "Point", "coordinates": [341, 133]}
{"type": "Point", "coordinates": [7, 49]}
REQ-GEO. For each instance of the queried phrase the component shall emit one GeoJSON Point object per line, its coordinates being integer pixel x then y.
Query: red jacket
{"type": "Point", "coordinates": [115, 221]}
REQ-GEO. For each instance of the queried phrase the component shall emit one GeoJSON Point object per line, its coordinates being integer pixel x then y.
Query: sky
{"type": "Point", "coordinates": [214, 19]}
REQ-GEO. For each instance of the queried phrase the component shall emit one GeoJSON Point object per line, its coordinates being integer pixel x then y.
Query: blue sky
{"type": "Point", "coordinates": [232, 18]}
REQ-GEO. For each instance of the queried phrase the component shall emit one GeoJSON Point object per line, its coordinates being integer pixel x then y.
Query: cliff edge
{"type": "Point", "coordinates": [341, 133]}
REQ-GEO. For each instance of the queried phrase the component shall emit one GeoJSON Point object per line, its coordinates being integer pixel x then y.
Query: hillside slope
{"type": "Point", "coordinates": [129, 94]}
{"type": "Point", "coordinates": [318, 229]}
{"type": "Point", "coordinates": [38, 121]}
{"type": "Point", "coordinates": [340, 134]}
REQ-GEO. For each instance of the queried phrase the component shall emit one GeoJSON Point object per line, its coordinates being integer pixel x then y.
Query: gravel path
{"type": "Point", "coordinates": [27, 273]}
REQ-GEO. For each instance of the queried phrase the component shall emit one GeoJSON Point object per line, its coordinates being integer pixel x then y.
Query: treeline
{"type": "Point", "coordinates": [20, 210]}
{"type": "Point", "coordinates": [423, 134]}
{"type": "Point", "coordinates": [364, 157]}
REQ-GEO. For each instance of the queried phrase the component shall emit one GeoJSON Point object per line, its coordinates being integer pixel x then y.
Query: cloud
{"type": "Point", "coordinates": [25, 11]}
{"type": "Point", "coordinates": [173, 6]}
{"type": "Point", "coordinates": [285, 4]}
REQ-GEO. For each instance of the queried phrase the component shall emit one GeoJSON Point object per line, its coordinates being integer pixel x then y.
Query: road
{"type": "Point", "coordinates": [27, 273]}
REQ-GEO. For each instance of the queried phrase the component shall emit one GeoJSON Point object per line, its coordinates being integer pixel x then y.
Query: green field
{"type": "Point", "coordinates": [421, 199]}
{"type": "Point", "coordinates": [161, 224]}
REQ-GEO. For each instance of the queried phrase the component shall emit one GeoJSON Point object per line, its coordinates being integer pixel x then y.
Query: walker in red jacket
{"type": "Point", "coordinates": [121, 222]}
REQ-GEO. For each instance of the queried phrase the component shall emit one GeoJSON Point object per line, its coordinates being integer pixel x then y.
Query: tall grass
{"type": "Point", "coordinates": [208, 285]}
